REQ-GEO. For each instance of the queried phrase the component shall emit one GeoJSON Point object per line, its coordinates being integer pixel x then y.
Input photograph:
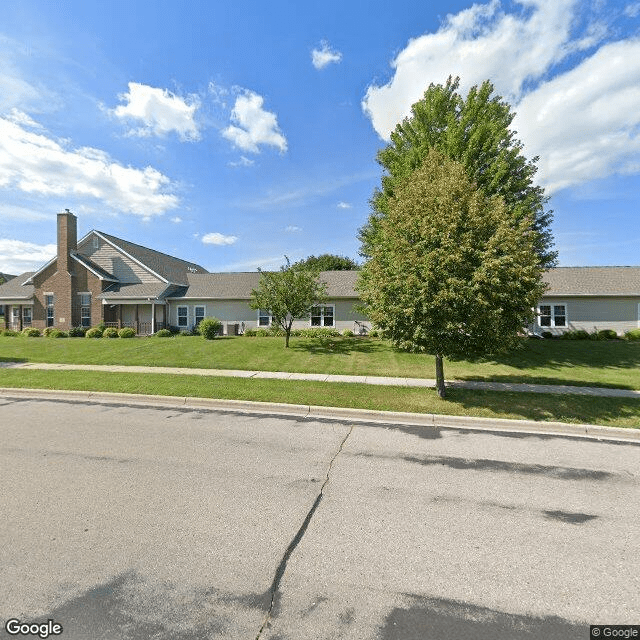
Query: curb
{"type": "Point", "coordinates": [589, 431]}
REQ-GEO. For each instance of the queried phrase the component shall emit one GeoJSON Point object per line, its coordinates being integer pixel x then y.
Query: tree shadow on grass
{"type": "Point", "coordinates": [339, 346]}
{"type": "Point", "coordinates": [566, 353]}
{"type": "Point", "coordinates": [551, 407]}
{"type": "Point", "coordinates": [12, 359]}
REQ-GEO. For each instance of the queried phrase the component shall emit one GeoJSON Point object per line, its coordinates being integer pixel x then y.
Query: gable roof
{"type": "Point", "coordinates": [97, 270]}
{"type": "Point", "coordinates": [593, 281]}
{"type": "Point", "coordinates": [171, 269]}
{"type": "Point", "coordinates": [238, 286]}
{"type": "Point", "coordinates": [17, 289]}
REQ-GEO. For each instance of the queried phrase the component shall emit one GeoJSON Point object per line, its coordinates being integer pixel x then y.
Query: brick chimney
{"type": "Point", "coordinates": [67, 239]}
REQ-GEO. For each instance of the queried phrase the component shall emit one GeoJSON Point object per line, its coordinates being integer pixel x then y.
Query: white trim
{"type": "Point", "coordinates": [638, 315]}
{"type": "Point", "coordinates": [86, 266]}
{"type": "Point", "coordinates": [121, 250]}
{"type": "Point", "coordinates": [178, 307]}
{"type": "Point", "coordinates": [259, 315]}
{"type": "Point", "coordinates": [322, 324]}
{"type": "Point", "coordinates": [552, 304]}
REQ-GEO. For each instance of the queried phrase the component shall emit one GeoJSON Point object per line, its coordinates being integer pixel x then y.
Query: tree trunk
{"type": "Point", "coordinates": [440, 377]}
{"type": "Point", "coordinates": [287, 333]}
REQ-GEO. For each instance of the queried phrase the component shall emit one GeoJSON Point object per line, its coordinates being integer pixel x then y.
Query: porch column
{"type": "Point", "coordinates": [119, 316]}
{"type": "Point", "coordinates": [137, 320]}
{"type": "Point", "coordinates": [153, 317]}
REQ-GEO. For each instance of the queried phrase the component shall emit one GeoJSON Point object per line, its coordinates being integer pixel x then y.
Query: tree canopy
{"type": "Point", "coordinates": [288, 294]}
{"type": "Point", "coordinates": [328, 262]}
{"type": "Point", "coordinates": [474, 132]}
{"type": "Point", "coordinates": [450, 273]}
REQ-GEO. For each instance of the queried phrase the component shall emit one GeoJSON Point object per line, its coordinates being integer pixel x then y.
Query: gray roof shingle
{"type": "Point", "coordinates": [15, 289]}
{"type": "Point", "coordinates": [153, 290]}
{"type": "Point", "coordinates": [172, 269]}
{"type": "Point", "coordinates": [593, 281]}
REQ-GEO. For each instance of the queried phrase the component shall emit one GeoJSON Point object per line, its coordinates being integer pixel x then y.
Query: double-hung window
{"type": "Point", "coordinates": [183, 317]}
{"type": "Point", "coordinates": [264, 318]}
{"type": "Point", "coordinates": [85, 309]}
{"type": "Point", "coordinates": [48, 299]}
{"type": "Point", "coordinates": [552, 315]}
{"type": "Point", "coordinates": [26, 316]}
{"type": "Point", "coordinates": [322, 316]}
{"type": "Point", "coordinates": [199, 315]}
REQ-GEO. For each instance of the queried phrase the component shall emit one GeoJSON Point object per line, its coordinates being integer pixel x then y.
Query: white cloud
{"type": "Point", "coordinates": [344, 205]}
{"type": "Point", "coordinates": [36, 164]}
{"type": "Point", "coordinates": [218, 238]}
{"type": "Point", "coordinates": [292, 228]}
{"type": "Point", "coordinates": [583, 123]}
{"type": "Point", "coordinates": [255, 126]}
{"type": "Point", "coordinates": [325, 55]}
{"type": "Point", "coordinates": [159, 111]}
{"type": "Point", "coordinates": [632, 10]}
{"type": "Point", "coordinates": [243, 162]}
{"type": "Point", "coordinates": [17, 257]}
{"type": "Point", "coordinates": [176, 220]}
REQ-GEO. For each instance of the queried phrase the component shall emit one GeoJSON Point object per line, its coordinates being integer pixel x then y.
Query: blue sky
{"type": "Point", "coordinates": [232, 134]}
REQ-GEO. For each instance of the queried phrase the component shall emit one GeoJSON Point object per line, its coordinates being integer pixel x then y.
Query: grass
{"type": "Point", "coordinates": [605, 364]}
{"type": "Point", "coordinates": [615, 412]}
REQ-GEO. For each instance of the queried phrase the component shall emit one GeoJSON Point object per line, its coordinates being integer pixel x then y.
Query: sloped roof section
{"type": "Point", "coordinates": [144, 290]}
{"type": "Point", "coordinates": [238, 286]}
{"type": "Point", "coordinates": [15, 288]}
{"type": "Point", "coordinates": [174, 270]}
{"type": "Point", "coordinates": [593, 281]}
{"type": "Point", "coordinates": [103, 274]}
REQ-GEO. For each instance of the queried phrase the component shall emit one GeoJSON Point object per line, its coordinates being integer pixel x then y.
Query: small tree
{"type": "Point", "coordinates": [288, 294]}
{"type": "Point", "coordinates": [450, 273]}
{"type": "Point", "coordinates": [209, 328]}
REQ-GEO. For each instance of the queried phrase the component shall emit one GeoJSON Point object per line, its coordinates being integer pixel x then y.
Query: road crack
{"type": "Point", "coordinates": [298, 537]}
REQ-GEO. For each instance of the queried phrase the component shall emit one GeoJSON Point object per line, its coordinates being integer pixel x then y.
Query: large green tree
{"type": "Point", "coordinates": [328, 262]}
{"type": "Point", "coordinates": [473, 131]}
{"type": "Point", "coordinates": [450, 272]}
{"type": "Point", "coordinates": [288, 294]}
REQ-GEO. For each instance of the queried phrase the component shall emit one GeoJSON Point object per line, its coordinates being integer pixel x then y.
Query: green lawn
{"type": "Point", "coordinates": [606, 364]}
{"type": "Point", "coordinates": [616, 412]}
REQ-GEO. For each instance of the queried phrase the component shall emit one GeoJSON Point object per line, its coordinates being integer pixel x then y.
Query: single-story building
{"type": "Point", "coordinates": [101, 278]}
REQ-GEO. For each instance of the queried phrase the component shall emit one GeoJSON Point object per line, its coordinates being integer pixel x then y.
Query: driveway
{"type": "Point", "coordinates": [185, 524]}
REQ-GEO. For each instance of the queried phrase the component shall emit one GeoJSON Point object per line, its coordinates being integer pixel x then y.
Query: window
{"type": "Point", "coordinates": [264, 318]}
{"type": "Point", "coordinates": [26, 316]}
{"type": "Point", "coordinates": [183, 316]}
{"type": "Point", "coordinates": [199, 313]}
{"type": "Point", "coordinates": [552, 315]}
{"type": "Point", "coordinates": [15, 315]}
{"type": "Point", "coordinates": [85, 309]}
{"type": "Point", "coordinates": [48, 299]}
{"type": "Point", "coordinates": [322, 316]}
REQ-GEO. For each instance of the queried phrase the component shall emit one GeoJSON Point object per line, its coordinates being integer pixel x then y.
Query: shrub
{"type": "Point", "coordinates": [9, 333]}
{"type": "Point", "coordinates": [579, 334]}
{"type": "Point", "coordinates": [547, 335]}
{"type": "Point", "coordinates": [127, 332]}
{"type": "Point", "coordinates": [110, 332]}
{"type": "Point", "coordinates": [56, 333]}
{"type": "Point", "coordinates": [374, 333]}
{"type": "Point", "coordinates": [77, 332]}
{"type": "Point", "coordinates": [47, 332]}
{"type": "Point", "coordinates": [262, 333]}
{"type": "Point", "coordinates": [607, 334]}
{"type": "Point", "coordinates": [94, 332]}
{"type": "Point", "coordinates": [163, 333]}
{"type": "Point", "coordinates": [31, 332]}
{"type": "Point", "coordinates": [186, 332]}
{"type": "Point", "coordinates": [250, 333]}
{"type": "Point", "coordinates": [634, 334]}
{"type": "Point", "coordinates": [209, 328]}
{"type": "Point", "coordinates": [347, 333]}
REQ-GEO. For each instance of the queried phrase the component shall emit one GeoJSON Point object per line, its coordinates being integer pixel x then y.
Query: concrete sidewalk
{"type": "Point", "coordinates": [323, 377]}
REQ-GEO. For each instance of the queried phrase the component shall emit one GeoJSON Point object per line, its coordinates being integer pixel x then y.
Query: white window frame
{"type": "Point", "coordinates": [15, 315]}
{"type": "Point", "coordinates": [322, 316]}
{"type": "Point", "coordinates": [196, 318]}
{"type": "Point", "coordinates": [178, 316]}
{"type": "Point", "coordinates": [263, 313]}
{"type": "Point", "coordinates": [85, 308]}
{"type": "Point", "coordinates": [50, 309]}
{"type": "Point", "coordinates": [27, 316]}
{"type": "Point", "coordinates": [552, 315]}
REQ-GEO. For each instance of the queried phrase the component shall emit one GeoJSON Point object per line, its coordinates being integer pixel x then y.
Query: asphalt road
{"type": "Point", "coordinates": [120, 522]}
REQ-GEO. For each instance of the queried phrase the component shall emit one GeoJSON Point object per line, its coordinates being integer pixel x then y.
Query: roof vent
{"type": "Point", "coordinates": [192, 269]}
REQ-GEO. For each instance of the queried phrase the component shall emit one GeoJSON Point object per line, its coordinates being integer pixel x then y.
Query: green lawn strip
{"type": "Point", "coordinates": [617, 412]}
{"type": "Point", "coordinates": [589, 363]}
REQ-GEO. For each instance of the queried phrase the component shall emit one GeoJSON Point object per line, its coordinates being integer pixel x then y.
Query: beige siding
{"type": "Point", "coordinates": [595, 314]}
{"type": "Point", "coordinates": [111, 260]}
{"type": "Point", "coordinates": [238, 311]}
